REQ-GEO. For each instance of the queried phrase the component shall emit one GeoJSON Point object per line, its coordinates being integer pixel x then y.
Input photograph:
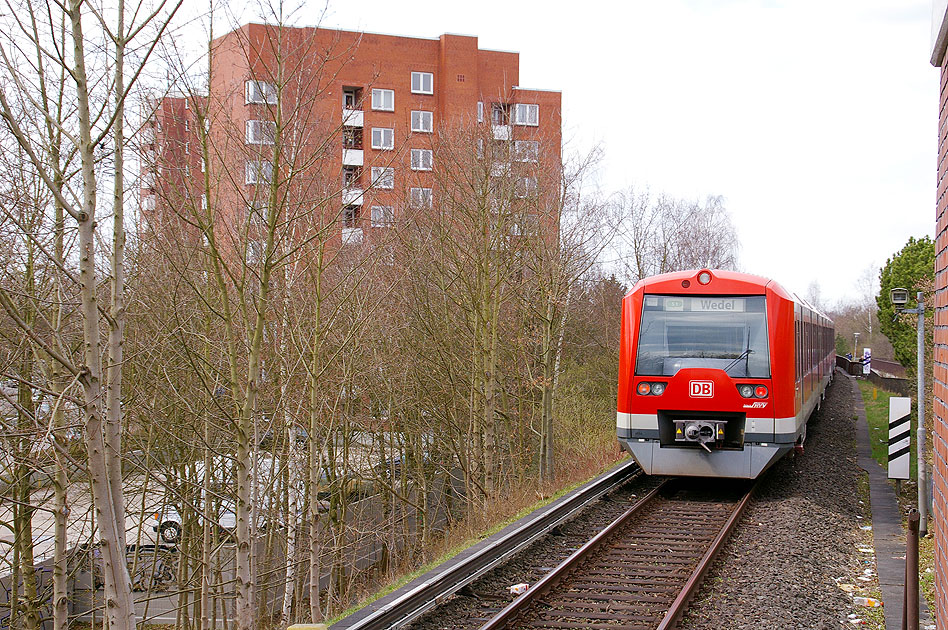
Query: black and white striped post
{"type": "Point", "coordinates": [900, 430]}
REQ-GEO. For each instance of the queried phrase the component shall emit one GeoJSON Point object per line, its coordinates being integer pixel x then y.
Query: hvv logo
{"type": "Point", "coordinates": [701, 389]}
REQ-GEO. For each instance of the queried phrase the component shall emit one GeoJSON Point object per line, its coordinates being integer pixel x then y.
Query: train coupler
{"type": "Point", "coordinates": [702, 432]}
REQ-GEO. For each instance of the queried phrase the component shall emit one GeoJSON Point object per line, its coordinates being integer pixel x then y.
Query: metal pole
{"type": "Point", "coordinates": [910, 601]}
{"type": "Point", "coordinates": [920, 429]}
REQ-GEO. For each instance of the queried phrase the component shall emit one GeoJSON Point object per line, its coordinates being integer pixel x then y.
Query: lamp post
{"type": "Point", "coordinates": [855, 345]}
{"type": "Point", "coordinates": [899, 297]}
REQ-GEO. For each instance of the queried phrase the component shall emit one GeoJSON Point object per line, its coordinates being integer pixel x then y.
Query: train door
{"type": "Point", "coordinates": [798, 352]}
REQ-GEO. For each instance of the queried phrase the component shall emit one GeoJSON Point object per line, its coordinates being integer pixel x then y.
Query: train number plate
{"type": "Point", "coordinates": [701, 389]}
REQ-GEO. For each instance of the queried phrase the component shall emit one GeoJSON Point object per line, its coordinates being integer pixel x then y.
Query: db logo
{"type": "Point", "coordinates": [702, 389]}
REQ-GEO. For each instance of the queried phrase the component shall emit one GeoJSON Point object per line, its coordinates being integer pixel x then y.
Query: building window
{"type": "Point", "coordinates": [350, 216]}
{"type": "Point", "coordinates": [351, 98]}
{"type": "Point", "coordinates": [352, 137]}
{"type": "Point", "coordinates": [527, 115]}
{"type": "Point", "coordinates": [525, 187]}
{"type": "Point", "coordinates": [420, 197]}
{"type": "Point", "coordinates": [421, 159]}
{"type": "Point", "coordinates": [383, 177]}
{"type": "Point", "coordinates": [422, 121]}
{"type": "Point", "coordinates": [383, 138]}
{"type": "Point", "coordinates": [260, 93]}
{"type": "Point", "coordinates": [351, 176]}
{"type": "Point", "coordinates": [480, 111]}
{"type": "Point", "coordinates": [526, 150]}
{"type": "Point", "coordinates": [148, 203]}
{"type": "Point", "coordinates": [422, 83]}
{"type": "Point", "coordinates": [260, 131]}
{"type": "Point", "coordinates": [500, 113]}
{"type": "Point", "coordinates": [203, 164]}
{"type": "Point", "coordinates": [258, 172]}
{"type": "Point", "coordinates": [383, 100]}
{"type": "Point", "coordinates": [382, 216]}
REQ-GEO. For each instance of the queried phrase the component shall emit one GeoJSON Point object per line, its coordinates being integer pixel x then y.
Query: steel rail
{"type": "Point", "coordinates": [427, 595]}
{"type": "Point", "coordinates": [680, 605]}
{"type": "Point", "coordinates": [507, 617]}
{"type": "Point", "coordinates": [551, 579]}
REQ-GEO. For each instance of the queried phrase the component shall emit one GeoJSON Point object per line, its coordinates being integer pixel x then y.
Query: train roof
{"type": "Point", "coordinates": [722, 281]}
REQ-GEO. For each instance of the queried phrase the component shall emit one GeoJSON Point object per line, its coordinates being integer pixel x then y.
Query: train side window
{"type": "Point", "coordinates": [799, 345]}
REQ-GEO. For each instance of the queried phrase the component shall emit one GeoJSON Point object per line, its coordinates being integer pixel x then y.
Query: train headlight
{"type": "Point", "coordinates": [704, 277]}
{"type": "Point", "coordinates": [752, 391]}
{"type": "Point", "coordinates": [653, 389]}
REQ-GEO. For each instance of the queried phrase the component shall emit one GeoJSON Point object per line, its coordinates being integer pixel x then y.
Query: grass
{"type": "Point", "coordinates": [876, 401]}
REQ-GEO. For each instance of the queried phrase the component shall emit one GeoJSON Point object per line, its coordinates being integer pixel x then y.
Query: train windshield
{"type": "Point", "coordinates": [703, 331]}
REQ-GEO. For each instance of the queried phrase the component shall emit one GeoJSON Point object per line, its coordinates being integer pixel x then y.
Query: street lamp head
{"type": "Point", "coordinates": [899, 296]}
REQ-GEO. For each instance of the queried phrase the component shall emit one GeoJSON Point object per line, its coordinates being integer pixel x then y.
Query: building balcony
{"type": "Point", "coordinates": [501, 132]}
{"type": "Point", "coordinates": [352, 196]}
{"type": "Point", "coordinates": [351, 235]}
{"type": "Point", "coordinates": [352, 117]}
{"type": "Point", "coordinates": [352, 157]}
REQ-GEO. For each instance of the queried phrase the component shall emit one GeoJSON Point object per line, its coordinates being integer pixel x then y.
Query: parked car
{"type": "Point", "coordinates": [167, 523]}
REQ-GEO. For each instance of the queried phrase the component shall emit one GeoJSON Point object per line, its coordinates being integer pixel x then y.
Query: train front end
{"type": "Point", "coordinates": [698, 392]}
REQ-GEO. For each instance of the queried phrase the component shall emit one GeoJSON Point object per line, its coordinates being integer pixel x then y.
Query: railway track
{"type": "Point", "coordinates": [642, 570]}
{"type": "Point", "coordinates": [408, 604]}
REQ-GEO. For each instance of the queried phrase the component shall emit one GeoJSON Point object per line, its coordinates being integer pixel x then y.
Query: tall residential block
{"type": "Point", "coordinates": [359, 120]}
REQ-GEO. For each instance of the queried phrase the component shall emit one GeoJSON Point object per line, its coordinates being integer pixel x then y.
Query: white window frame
{"type": "Point", "coordinates": [383, 177]}
{"type": "Point", "coordinates": [527, 114]}
{"type": "Point", "coordinates": [381, 144]}
{"type": "Point", "coordinates": [420, 197]}
{"type": "Point", "coordinates": [422, 159]}
{"type": "Point", "coordinates": [418, 80]}
{"type": "Point", "coordinates": [257, 172]}
{"type": "Point", "coordinates": [383, 216]}
{"type": "Point", "coordinates": [379, 96]}
{"type": "Point", "coordinates": [259, 93]}
{"type": "Point", "coordinates": [480, 111]}
{"type": "Point", "coordinates": [148, 203]}
{"type": "Point", "coordinates": [422, 121]}
{"type": "Point", "coordinates": [255, 132]}
{"type": "Point", "coordinates": [526, 150]}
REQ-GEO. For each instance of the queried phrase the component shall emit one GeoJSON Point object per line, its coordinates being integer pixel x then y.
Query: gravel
{"type": "Point", "coordinates": [475, 604]}
{"type": "Point", "coordinates": [797, 541]}
{"type": "Point", "coordinates": [781, 568]}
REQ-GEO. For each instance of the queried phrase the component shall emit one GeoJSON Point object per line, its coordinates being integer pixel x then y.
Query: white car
{"type": "Point", "coordinates": [167, 522]}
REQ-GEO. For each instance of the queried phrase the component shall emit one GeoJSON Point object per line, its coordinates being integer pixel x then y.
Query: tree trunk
{"type": "Point", "coordinates": [110, 514]}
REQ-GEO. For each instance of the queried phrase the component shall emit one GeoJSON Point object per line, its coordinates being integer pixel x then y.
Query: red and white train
{"type": "Point", "coordinates": [718, 373]}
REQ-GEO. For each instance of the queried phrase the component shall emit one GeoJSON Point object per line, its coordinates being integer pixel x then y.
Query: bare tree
{"type": "Point", "coordinates": [667, 234]}
{"type": "Point", "coordinates": [33, 54]}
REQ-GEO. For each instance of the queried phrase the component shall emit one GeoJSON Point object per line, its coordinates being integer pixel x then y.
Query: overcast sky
{"type": "Point", "coordinates": [815, 119]}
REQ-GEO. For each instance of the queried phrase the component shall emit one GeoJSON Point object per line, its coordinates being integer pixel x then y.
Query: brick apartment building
{"type": "Point", "coordinates": [362, 113]}
{"type": "Point", "coordinates": [940, 370]}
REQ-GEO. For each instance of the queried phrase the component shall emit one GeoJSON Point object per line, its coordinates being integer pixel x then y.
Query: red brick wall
{"type": "Point", "coordinates": [940, 370]}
